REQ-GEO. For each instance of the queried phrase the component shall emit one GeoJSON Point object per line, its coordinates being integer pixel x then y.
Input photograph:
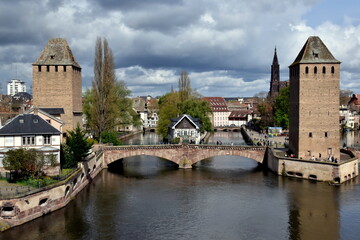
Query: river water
{"type": "Point", "coordinates": [223, 197]}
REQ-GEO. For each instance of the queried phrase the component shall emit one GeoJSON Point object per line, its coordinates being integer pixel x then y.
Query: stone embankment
{"type": "Point", "coordinates": [33, 204]}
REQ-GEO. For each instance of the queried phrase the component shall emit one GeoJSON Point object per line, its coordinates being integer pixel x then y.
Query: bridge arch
{"type": "Point", "coordinates": [183, 155]}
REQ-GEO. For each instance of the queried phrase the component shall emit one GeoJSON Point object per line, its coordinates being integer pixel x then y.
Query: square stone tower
{"type": "Point", "coordinates": [57, 82]}
{"type": "Point", "coordinates": [314, 102]}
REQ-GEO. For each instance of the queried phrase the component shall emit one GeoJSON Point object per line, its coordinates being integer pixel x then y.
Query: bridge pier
{"type": "Point", "coordinates": [185, 163]}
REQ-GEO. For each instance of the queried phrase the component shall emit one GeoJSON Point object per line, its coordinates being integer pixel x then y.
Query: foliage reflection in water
{"type": "Point", "coordinates": [221, 198]}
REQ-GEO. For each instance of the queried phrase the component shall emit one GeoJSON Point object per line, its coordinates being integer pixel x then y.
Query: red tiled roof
{"type": "Point", "coordinates": [217, 104]}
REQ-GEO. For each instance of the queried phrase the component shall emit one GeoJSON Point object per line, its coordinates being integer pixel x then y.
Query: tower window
{"type": "Point", "coordinates": [332, 70]}
{"type": "Point", "coordinates": [64, 68]}
{"type": "Point", "coordinates": [315, 70]}
{"type": "Point", "coordinates": [307, 70]}
{"type": "Point", "coordinates": [326, 134]}
{"type": "Point", "coordinates": [39, 68]}
{"type": "Point", "coordinates": [310, 134]}
{"type": "Point", "coordinates": [56, 68]}
{"type": "Point", "coordinates": [324, 70]}
{"type": "Point", "coordinates": [48, 68]}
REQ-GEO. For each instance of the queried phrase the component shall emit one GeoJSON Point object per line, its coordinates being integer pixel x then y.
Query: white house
{"type": "Point", "coordinates": [30, 131]}
{"type": "Point", "coordinates": [348, 117]}
{"type": "Point", "coordinates": [186, 128]}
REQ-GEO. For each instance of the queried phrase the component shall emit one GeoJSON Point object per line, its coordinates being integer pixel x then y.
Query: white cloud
{"type": "Point", "coordinates": [227, 47]}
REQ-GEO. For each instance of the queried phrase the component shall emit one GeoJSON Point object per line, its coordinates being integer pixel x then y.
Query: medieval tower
{"type": "Point", "coordinates": [275, 77]}
{"type": "Point", "coordinates": [57, 82]}
{"type": "Point", "coordinates": [314, 102]}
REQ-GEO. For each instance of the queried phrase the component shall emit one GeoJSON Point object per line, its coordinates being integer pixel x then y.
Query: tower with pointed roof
{"type": "Point", "coordinates": [57, 82]}
{"type": "Point", "coordinates": [275, 76]}
{"type": "Point", "coordinates": [314, 102]}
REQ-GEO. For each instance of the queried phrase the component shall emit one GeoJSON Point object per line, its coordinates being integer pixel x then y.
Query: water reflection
{"type": "Point", "coordinates": [226, 197]}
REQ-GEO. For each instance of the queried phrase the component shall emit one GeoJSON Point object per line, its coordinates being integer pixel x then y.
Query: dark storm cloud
{"type": "Point", "coordinates": [226, 46]}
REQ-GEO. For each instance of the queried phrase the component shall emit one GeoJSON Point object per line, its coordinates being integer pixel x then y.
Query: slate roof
{"type": "Point", "coordinates": [314, 51]}
{"type": "Point", "coordinates": [175, 121]}
{"type": "Point", "coordinates": [56, 52]}
{"type": "Point", "coordinates": [26, 124]}
{"type": "Point", "coordinates": [53, 111]}
{"type": "Point", "coordinates": [23, 95]}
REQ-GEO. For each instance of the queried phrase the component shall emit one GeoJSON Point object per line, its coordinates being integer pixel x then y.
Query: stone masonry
{"type": "Point", "coordinates": [57, 82]}
{"type": "Point", "coordinates": [183, 155]}
{"type": "Point", "coordinates": [314, 102]}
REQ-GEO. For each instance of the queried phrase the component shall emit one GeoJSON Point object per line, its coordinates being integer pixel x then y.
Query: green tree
{"type": "Point", "coordinates": [266, 109]}
{"type": "Point", "coordinates": [198, 108]}
{"type": "Point", "coordinates": [110, 137]}
{"type": "Point", "coordinates": [106, 104]}
{"type": "Point", "coordinates": [78, 146]}
{"type": "Point", "coordinates": [171, 106]}
{"type": "Point", "coordinates": [281, 115]}
{"type": "Point", "coordinates": [25, 162]}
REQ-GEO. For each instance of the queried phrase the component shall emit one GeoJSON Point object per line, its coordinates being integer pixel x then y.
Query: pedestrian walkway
{"type": "Point", "coordinates": [264, 139]}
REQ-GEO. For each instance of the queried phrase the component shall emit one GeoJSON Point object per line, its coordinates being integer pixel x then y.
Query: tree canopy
{"type": "Point", "coordinates": [106, 104]}
{"type": "Point", "coordinates": [27, 162]}
{"type": "Point", "coordinates": [281, 115]}
{"type": "Point", "coordinates": [275, 110]}
{"type": "Point", "coordinates": [185, 101]}
{"type": "Point", "coordinates": [76, 147]}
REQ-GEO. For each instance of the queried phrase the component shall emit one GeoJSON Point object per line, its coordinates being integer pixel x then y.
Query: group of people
{"type": "Point", "coordinates": [330, 158]}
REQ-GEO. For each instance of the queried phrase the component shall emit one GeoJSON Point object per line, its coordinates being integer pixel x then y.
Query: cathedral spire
{"type": "Point", "coordinates": [275, 76]}
{"type": "Point", "coordinates": [275, 60]}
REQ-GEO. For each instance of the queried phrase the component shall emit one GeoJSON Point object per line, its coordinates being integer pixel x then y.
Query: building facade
{"type": "Point", "coordinates": [314, 102]}
{"type": "Point", "coordinates": [15, 86]}
{"type": "Point", "coordinates": [186, 128]}
{"type": "Point", "coordinates": [32, 132]}
{"type": "Point", "coordinates": [57, 82]}
{"type": "Point", "coordinates": [220, 112]}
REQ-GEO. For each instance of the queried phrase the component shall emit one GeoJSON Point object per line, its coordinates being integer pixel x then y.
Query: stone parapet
{"type": "Point", "coordinates": [313, 170]}
{"type": "Point", "coordinates": [31, 205]}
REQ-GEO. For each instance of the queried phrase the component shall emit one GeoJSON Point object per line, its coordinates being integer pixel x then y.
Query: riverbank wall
{"type": "Point", "coordinates": [26, 207]}
{"type": "Point", "coordinates": [246, 136]}
{"type": "Point", "coordinates": [312, 170]}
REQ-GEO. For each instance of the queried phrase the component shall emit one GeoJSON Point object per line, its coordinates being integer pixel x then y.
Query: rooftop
{"type": "Point", "coordinates": [56, 52]}
{"type": "Point", "coordinates": [314, 51]}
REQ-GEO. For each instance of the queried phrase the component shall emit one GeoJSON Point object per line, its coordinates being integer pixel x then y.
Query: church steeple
{"type": "Point", "coordinates": [275, 76]}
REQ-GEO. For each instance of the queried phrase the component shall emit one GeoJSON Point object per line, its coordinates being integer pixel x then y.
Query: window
{"type": "Point", "coordinates": [64, 68]}
{"type": "Point", "coordinates": [329, 151]}
{"type": "Point", "coordinates": [310, 134]}
{"type": "Point", "coordinates": [326, 134]}
{"type": "Point", "coordinates": [56, 68]}
{"type": "Point", "coordinates": [39, 68]}
{"type": "Point", "coordinates": [28, 140]}
{"type": "Point", "coordinates": [47, 139]}
{"type": "Point", "coordinates": [307, 70]}
{"type": "Point", "coordinates": [324, 70]}
{"type": "Point", "coordinates": [48, 68]}
{"type": "Point", "coordinates": [332, 70]}
{"type": "Point", "coordinates": [315, 70]}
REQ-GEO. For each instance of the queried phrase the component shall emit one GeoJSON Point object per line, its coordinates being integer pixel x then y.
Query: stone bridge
{"type": "Point", "coordinates": [183, 155]}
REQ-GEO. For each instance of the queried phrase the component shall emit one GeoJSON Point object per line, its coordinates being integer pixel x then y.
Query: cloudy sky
{"type": "Point", "coordinates": [226, 46]}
